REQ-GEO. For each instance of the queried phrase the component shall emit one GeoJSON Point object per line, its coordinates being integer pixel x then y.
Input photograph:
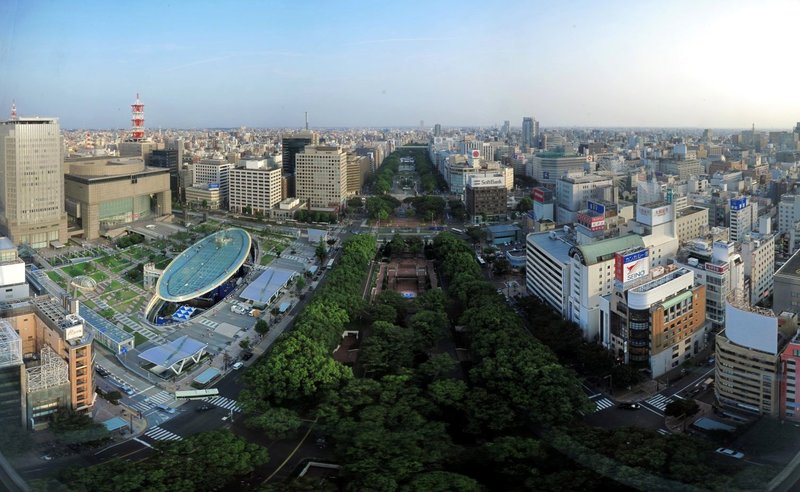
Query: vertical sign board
{"type": "Point", "coordinates": [632, 266]}
{"type": "Point", "coordinates": [538, 195]}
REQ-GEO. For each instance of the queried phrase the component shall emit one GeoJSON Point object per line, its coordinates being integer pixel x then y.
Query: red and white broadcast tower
{"type": "Point", "coordinates": [13, 110]}
{"type": "Point", "coordinates": [137, 120]}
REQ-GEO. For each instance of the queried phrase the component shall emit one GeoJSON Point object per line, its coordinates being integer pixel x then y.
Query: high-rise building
{"type": "Point", "coordinates": [168, 159]}
{"type": "Point", "coordinates": [255, 186]}
{"type": "Point", "coordinates": [211, 172]}
{"type": "Point", "coordinates": [291, 145]}
{"type": "Point", "coordinates": [485, 197]}
{"type": "Point", "coordinates": [321, 176]}
{"type": "Point", "coordinates": [758, 253]}
{"type": "Point", "coordinates": [743, 215]}
{"type": "Point", "coordinates": [437, 130]}
{"type": "Point", "coordinates": [527, 133]}
{"type": "Point", "coordinates": [547, 167]}
{"type": "Point", "coordinates": [32, 182]}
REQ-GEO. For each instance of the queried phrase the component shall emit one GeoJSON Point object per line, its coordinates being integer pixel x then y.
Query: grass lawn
{"type": "Point", "coordinates": [99, 276]}
{"type": "Point", "coordinates": [267, 259]}
{"type": "Point", "coordinates": [121, 296]}
{"type": "Point", "coordinates": [114, 285]}
{"type": "Point", "coordinates": [89, 304]}
{"type": "Point", "coordinates": [114, 263]}
{"type": "Point", "coordinates": [138, 338]}
{"type": "Point", "coordinates": [138, 252]}
{"type": "Point", "coordinates": [80, 269]}
{"type": "Point", "coordinates": [55, 277]}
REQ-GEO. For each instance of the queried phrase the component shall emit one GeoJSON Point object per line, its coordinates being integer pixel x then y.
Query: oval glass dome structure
{"type": "Point", "coordinates": [204, 266]}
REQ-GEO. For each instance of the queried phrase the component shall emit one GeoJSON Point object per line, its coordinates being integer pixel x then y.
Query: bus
{"type": "Point", "coordinates": [329, 265]}
{"type": "Point", "coordinates": [481, 261]}
{"type": "Point", "coordinates": [196, 394]}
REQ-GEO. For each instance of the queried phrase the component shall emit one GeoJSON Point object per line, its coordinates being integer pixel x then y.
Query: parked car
{"type": "Point", "coordinates": [237, 366]}
{"type": "Point", "coordinates": [630, 406]}
{"type": "Point", "coordinates": [247, 355]}
{"type": "Point", "coordinates": [165, 409]}
{"type": "Point", "coordinates": [730, 453]}
{"type": "Point", "coordinates": [102, 371]}
{"type": "Point", "coordinates": [204, 408]}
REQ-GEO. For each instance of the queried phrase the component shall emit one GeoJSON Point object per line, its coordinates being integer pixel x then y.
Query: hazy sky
{"type": "Point", "coordinates": [384, 63]}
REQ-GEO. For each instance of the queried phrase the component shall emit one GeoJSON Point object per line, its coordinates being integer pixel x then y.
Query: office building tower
{"type": "Point", "coordinates": [572, 194]}
{"type": "Point", "coordinates": [255, 186]}
{"type": "Point", "coordinates": [743, 215]}
{"type": "Point", "coordinates": [32, 182]}
{"type": "Point", "coordinates": [758, 253]}
{"type": "Point", "coordinates": [547, 167]}
{"type": "Point", "coordinates": [291, 145]}
{"type": "Point", "coordinates": [168, 159]}
{"type": "Point", "coordinates": [321, 176]}
{"type": "Point", "coordinates": [437, 130]}
{"type": "Point", "coordinates": [506, 129]}
{"type": "Point", "coordinates": [486, 197]}
{"type": "Point", "coordinates": [213, 172]}
{"type": "Point", "coordinates": [527, 134]}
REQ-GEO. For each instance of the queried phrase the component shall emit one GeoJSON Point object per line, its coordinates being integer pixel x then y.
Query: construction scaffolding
{"type": "Point", "coordinates": [10, 346]}
{"type": "Point", "coordinates": [52, 371]}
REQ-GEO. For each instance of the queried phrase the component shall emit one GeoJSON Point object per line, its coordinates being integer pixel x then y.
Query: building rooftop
{"type": "Point", "coordinates": [791, 268]}
{"type": "Point", "coordinates": [691, 209]}
{"type": "Point", "coordinates": [554, 242]}
{"type": "Point", "coordinates": [266, 285]}
{"type": "Point", "coordinates": [604, 250]}
{"type": "Point", "coordinates": [204, 266]}
{"type": "Point", "coordinates": [173, 352]}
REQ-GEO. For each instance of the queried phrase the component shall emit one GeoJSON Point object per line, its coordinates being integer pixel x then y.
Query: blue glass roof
{"type": "Point", "coordinates": [173, 352]}
{"type": "Point", "coordinates": [204, 265]}
{"type": "Point", "coordinates": [266, 285]}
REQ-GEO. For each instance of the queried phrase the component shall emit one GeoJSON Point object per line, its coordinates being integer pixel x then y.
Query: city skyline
{"type": "Point", "coordinates": [199, 65]}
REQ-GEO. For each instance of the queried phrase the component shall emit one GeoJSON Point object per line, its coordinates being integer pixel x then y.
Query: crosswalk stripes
{"type": "Point", "coordinates": [161, 397]}
{"type": "Point", "coordinates": [226, 403]}
{"type": "Point", "coordinates": [603, 403]}
{"type": "Point", "coordinates": [659, 401]}
{"type": "Point", "coordinates": [159, 434]}
{"type": "Point", "coordinates": [141, 406]}
{"type": "Point", "coordinates": [663, 432]}
{"type": "Point", "coordinates": [208, 323]}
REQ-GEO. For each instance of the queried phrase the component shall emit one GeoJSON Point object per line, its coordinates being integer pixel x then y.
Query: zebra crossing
{"type": "Point", "coordinates": [663, 432]}
{"type": "Point", "coordinates": [160, 397]}
{"type": "Point", "coordinates": [226, 403]}
{"type": "Point", "coordinates": [208, 323]}
{"type": "Point", "coordinates": [603, 403]}
{"type": "Point", "coordinates": [295, 258]}
{"type": "Point", "coordinates": [159, 434]}
{"type": "Point", "coordinates": [659, 401]}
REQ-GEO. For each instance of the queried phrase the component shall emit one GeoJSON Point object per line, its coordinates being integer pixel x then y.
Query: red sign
{"type": "Point", "coordinates": [476, 153]}
{"type": "Point", "coordinates": [538, 195]}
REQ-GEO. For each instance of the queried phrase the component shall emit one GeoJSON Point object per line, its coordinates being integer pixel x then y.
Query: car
{"type": "Point", "coordinates": [247, 355]}
{"type": "Point", "coordinates": [165, 409]}
{"type": "Point", "coordinates": [237, 366]}
{"type": "Point", "coordinates": [730, 453]}
{"type": "Point", "coordinates": [102, 371]}
{"type": "Point", "coordinates": [204, 408]}
{"type": "Point", "coordinates": [46, 457]}
{"type": "Point", "coordinates": [630, 406]}
{"type": "Point", "coordinates": [127, 390]}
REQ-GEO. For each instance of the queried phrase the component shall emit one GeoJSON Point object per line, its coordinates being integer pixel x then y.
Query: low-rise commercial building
{"type": "Point", "coordinates": [204, 196]}
{"type": "Point", "coordinates": [105, 194]}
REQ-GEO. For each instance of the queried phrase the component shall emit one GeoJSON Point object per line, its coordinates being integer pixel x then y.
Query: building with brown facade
{"type": "Point", "coordinates": [104, 194]}
{"type": "Point", "coordinates": [485, 197]}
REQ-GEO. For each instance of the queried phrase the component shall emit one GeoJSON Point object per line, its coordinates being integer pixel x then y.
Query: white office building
{"type": "Point", "coordinates": [758, 254]}
{"type": "Point", "coordinates": [321, 176]}
{"type": "Point", "coordinates": [213, 171]}
{"type": "Point", "coordinates": [255, 186]}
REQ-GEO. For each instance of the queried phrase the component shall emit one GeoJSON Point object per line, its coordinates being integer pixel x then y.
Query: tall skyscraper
{"type": "Point", "coordinates": [292, 144]}
{"type": "Point", "coordinates": [437, 130]}
{"type": "Point", "coordinates": [527, 133]}
{"type": "Point", "coordinates": [32, 182]}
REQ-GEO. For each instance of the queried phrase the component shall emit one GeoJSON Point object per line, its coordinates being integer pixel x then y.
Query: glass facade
{"type": "Point", "coordinates": [114, 213]}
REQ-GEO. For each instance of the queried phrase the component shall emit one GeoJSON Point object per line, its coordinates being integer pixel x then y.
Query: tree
{"type": "Point", "coordinates": [204, 204]}
{"type": "Point", "coordinates": [244, 344]}
{"type": "Point", "coordinates": [383, 215]}
{"type": "Point", "coordinates": [202, 462]}
{"type": "Point", "coordinates": [477, 234]}
{"type": "Point", "coordinates": [298, 368]}
{"type": "Point", "coordinates": [681, 408]}
{"type": "Point", "coordinates": [276, 422]}
{"type": "Point", "coordinates": [247, 210]}
{"type": "Point", "coordinates": [322, 251]}
{"type": "Point", "coordinates": [73, 427]}
{"type": "Point", "coordinates": [442, 481]}
{"type": "Point", "coordinates": [261, 327]}
{"type": "Point", "coordinates": [525, 204]}
{"type": "Point", "coordinates": [387, 349]}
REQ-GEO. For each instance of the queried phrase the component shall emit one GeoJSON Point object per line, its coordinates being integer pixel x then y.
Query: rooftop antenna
{"type": "Point", "coordinates": [13, 110]}
{"type": "Point", "coordinates": [137, 120]}
{"type": "Point", "coordinates": [306, 120]}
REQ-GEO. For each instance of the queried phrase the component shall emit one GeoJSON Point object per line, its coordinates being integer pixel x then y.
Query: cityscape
{"type": "Point", "coordinates": [398, 247]}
